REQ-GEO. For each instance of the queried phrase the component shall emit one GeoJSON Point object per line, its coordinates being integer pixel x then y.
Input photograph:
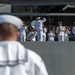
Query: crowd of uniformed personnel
{"type": "Point", "coordinates": [39, 32]}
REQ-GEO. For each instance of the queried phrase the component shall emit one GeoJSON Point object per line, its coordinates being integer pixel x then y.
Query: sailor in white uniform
{"type": "Point", "coordinates": [51, 36]}
{"type": "Point", "coordinates": [22, 34]}
{"type": "Point", "coordinates": [73, 30]}
{"type": "Point", "coordinates": [38, 26]}
{"type": "Point", "coordinates": [60, 31]}
{"type": "Point", "coordinates": [44, 30]}
{"type": "Point", "coordinates": [15, 59]}
{"type": "Point", "coordinates": [66, 34]}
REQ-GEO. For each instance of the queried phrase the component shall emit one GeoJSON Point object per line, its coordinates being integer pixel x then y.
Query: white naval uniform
{"type": "Point", "coordinates": [35, 65]}
{"type": "Point", "coordinates": [73, 31]}
{"type": "Point", "coordinates": [66, 37]}
{"type": "Point", "coordinates": [22, 34]}
{"type": "Point", "coordinates": [51, 36]}
{"type": "Point", "coordinates": [61, 34]}
{"type": "Point", "coordinates": [15, 59]}
{"type": "Point", "coordinates": [43, 38]}
{"type": "Point", "coordinates": [38, 27]}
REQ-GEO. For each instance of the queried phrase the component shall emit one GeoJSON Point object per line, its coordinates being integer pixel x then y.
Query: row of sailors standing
{"type": "Point", "coordinates": [62, 31]}
{"type": "Point", "coordinates": [33, 34]}
{"type": "Point", "coordinates": [38, 32]}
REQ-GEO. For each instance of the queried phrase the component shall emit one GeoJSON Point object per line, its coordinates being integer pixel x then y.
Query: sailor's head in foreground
{"type": "Point", "coordinates": [9, 26]}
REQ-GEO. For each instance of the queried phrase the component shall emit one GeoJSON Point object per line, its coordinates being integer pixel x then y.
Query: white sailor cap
{"type": "Point", "coordinates": [38, 17]}
{"type": "Point", "coordinates": [12, 20]}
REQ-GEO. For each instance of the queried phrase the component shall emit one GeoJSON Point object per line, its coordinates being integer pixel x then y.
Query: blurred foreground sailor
{"type": "Point", "coordinates": [15, 59]}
